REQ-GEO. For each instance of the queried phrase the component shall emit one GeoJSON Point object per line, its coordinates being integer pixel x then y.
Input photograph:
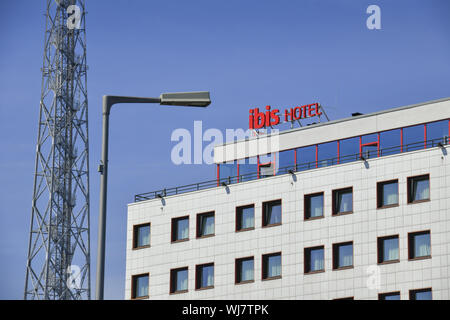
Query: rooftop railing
{"type": "Point", "coordinates": [368, 154]}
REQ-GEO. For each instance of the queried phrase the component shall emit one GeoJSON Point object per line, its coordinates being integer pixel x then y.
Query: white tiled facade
{"type": "Point", "coordinates": [363, 227]}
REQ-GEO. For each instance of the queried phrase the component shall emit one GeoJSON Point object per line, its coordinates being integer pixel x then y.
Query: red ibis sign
{"type": "Point", "coordinates": [258, 120]}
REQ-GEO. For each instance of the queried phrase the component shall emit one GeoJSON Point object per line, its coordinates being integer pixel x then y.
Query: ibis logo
{"type": "Point", "coordinates": [272, 117]}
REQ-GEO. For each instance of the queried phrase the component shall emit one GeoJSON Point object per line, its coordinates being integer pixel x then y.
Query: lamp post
{"type": "Point", "coordinates": [189, 99]}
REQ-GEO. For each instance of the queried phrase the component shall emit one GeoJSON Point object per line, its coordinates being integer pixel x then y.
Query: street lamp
{"type": "Point", "coordinates": [190, 99]}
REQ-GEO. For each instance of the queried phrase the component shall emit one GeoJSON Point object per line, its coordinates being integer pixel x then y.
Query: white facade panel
{"type": "Point", "coordinates": [363, 226]}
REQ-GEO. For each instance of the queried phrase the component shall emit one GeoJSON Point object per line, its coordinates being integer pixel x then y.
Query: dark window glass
{"type": "Point", "coordinates": [141, 236]}
{"type": "Point", "coordinates": [244, 270]}
{"type": "Point", "coordinates": [327, 154]}
{"type": "Point", "coordinates": [140, 286]}
{"type": "Point", "coordinates": [248, 169]}
{"type": "Point", "coordinates": [389, 296]}
{"type": "Point", "coordinates": [422, 294]}
{"type": "Point", "coordinates": [306, 158]}
{"type": "Point", "coordinates": [205, 276]}
{"type": "Point", "coordinates": [342, 255]}
{"type": "Point", "coordinates": [419, 245]}
{"type": "Point", "coordinates": [418, 188]}
{"type": "Point", "coordinates": [314, 205]}
{"type": "Point", "coordinates": [271, 265]}
{"type": "Point", "coordinates": [286, 160]}
{"type": "Point", "coordinates": [437, 131]}
{"type": "Point", "coordinates": [205, 224]}
{"type": "Point", "coordinates": [388, 249]}
{"type": "Point", "coordinates": [314, 259]}
{"type": "Point", "coordinates": [413, 138]}
{"type": "Point", "coordinates": [179, 280]}
{"type": "Point", "coordinates": [272, 213]}
{"type": "Point", "coordinates": [245, 216]}
{"type": "Point", "coordinates": [343, 200]}
{"type": "Point", "coordinates": [228, 169]}
{"type": "Point", "coordinates": [369, 146]}
{"type": "Point", "coordinates": [387, 193]}
{"type": "Point", "coordinates": [349, 150]}
{"type": "Point", "coordinates": [180, 229]}
{"type": "Point", "coordinates": [390, 142]}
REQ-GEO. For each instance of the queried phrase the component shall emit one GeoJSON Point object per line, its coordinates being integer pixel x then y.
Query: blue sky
{"type": "Point", "coordinates": [246, 53]}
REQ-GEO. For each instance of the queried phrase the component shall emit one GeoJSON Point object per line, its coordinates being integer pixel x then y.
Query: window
{"type": "Point", "coordinates": [343, 201]}
{"type": "Point", "coordinates": [314, 259]}
{"type": "Point", "coordinates": [245, 270]}
{"type": "Point", "coordinates": [390, 142]}
{"type": "Point", "coordinates": [179, 280]}
{"type": "Point", "coordinates": [413, 138]}
{"type": "Point", "coordinates": [271, 266]}
{"type": "Point", "coordinates": [389, 296]}
{"type": "Point", "coordinates": [418, 188]}
{"type": "Point", "coordinates": [204, 276]}
{"type": "Point", "coordinates": [248, 169]}
{"type": "Point", "coordinates": [245, 218]}
{"type": "Point", "coordinates": [327, 154]}
{"type": "Point", "coordinates": [420, 294]}
{"type": "Point", "coordinates": [388, 249]}
{"type": "Point", "coordinates": [343, 255]}
{"type": "Point", "coordinates": [271, 213]}
{"type": "Point", "coordinates": [205, 224]}
{"type": "Point", "coordinates": [387, 194]}
{"type": "Point", "coordinates": [313, 206]}
{"type": "Point", "coordinates": [180, 229]}
{"type": "Point", "coordinates": [141, 236]}
{"type": "Point", "coordinates": [139, 286]}
{"type": "Point", "coordinates": [419, 244]}
{"type": "Point", "coordinates": [286, 160]}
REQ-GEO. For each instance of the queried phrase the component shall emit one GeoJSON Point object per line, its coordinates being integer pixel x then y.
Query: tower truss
{"type": "Point", "coordinates": [58, 264]}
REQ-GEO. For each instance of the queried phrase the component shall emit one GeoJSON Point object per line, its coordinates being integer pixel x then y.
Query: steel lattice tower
{"type": "Point", "coordinates": [58, 264]}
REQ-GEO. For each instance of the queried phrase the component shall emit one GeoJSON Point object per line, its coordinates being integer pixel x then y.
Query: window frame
{"type": "Point", "coordinates": [307, 206]}
{"type": "Point", "coordinates": [172, 285]}
{"type": "Point", "coordinates": [335, 253]}
{"type": "Point", "coordinates": [263, 267]}
{"type": "Point", "coordinates": [237, 217]}
{"type": "Point", "coordinates": [380, 247]}
{"type": "Point", "coordinates": [334, 194]}
{"type": "Point", "coordinates": [198, 279]}
{"type": "Point", "coordinates": [380, 194]}
{"type": "Point", "coordinates": [411, 245]}
{"type": "Point", "coordinates": [307, 260]}
{"type": "Point", "coordinates": [381, 296]}
{"type": "Point", "coordinates": [264, 204]}
{"type": "Point", "coordinates": [413, 292]}
{"type": "Point", "coordinates": [133, 286]}
{"type": "Point", "coordinates": [409, 181]}
{"type": "Point", "coordinates": [199, 215]}
{"type": "Point", "coordinates": [236, 268]}
{"type": "Point", "coordinates": [173, 229]}
{"type": "Point", "coordinates": [135, 236]}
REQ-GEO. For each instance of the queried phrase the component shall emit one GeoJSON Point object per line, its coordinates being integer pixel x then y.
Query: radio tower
{"type": "Point", "coordinates": [58, 264]}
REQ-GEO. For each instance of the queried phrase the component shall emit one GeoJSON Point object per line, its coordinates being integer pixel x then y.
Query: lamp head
{"type": "Point", "coordinates": [190, 99]}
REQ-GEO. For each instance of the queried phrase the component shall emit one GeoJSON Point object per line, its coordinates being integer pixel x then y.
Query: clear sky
{"type": "Point", "coordinates": [247, 53]}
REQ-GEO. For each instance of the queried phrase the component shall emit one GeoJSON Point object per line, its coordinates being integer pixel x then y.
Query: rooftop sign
{"type": "Point", "coordinates": [258, 120]}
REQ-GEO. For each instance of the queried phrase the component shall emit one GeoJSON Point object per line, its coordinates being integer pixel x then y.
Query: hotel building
{"type": "Point", "coordinates": [357, 208]}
